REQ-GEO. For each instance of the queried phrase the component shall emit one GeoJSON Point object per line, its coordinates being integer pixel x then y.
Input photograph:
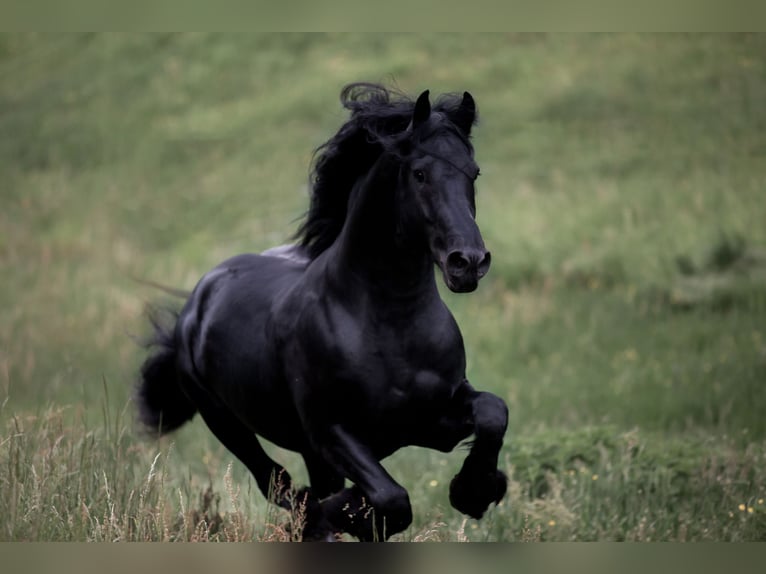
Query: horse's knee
{"type": "Point", "coordinates": [490, 415]}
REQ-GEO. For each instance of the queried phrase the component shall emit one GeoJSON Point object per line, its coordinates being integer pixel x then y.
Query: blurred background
{"type": "Point", "coordinates": [623, 197]}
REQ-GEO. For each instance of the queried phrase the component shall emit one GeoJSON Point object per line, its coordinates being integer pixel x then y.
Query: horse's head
{"type": "Point", "coordinates": [437, 195]}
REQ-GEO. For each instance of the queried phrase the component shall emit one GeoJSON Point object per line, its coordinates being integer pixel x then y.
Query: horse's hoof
{"type": "Point", "coordinates": [472, 494]}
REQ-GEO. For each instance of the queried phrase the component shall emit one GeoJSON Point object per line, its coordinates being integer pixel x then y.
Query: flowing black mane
{"type": "Point", "coordinates": [379, 120]}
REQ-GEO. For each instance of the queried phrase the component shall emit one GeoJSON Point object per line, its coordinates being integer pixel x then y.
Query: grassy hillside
{"type": "Point", "coordinates": [623, 198]}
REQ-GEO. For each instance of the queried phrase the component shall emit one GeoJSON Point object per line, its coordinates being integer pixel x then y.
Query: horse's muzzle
{"type": "Point", "coordinates": [464, 268]}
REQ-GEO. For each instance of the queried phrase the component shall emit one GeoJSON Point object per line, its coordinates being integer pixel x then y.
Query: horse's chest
{"type": "Point", "coordinates": [400, 373]}
{"type": "Point", "coordinates": [358, 365]}
{"type": "Point", "coordinates": [422, 388]}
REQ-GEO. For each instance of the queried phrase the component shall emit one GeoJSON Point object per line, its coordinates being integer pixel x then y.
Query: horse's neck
{"type": "Point", "coordinates": [369, 247]}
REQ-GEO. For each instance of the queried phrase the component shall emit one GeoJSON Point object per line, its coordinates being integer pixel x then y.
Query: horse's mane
{"type": "Point", "coordinates": [379, 118]}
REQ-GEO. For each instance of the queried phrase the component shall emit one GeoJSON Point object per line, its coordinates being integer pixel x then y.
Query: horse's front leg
{"type": "Point", "coordinates": [376, 507]}
{"type": "Point", "coordinates": [479, 482]}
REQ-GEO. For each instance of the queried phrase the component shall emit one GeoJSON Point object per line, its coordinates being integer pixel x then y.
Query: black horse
{"type": "Point", "coordinates": [340, 347]}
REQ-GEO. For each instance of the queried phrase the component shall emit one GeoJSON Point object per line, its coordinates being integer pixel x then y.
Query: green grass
{"type": "Point", "coordinates": [624, 318]}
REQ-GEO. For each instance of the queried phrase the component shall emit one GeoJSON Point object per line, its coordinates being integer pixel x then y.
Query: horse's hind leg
{"type": "Point", "coordinates": [272, 478]}
{"type": "Point", "coordinates": [479, 482]}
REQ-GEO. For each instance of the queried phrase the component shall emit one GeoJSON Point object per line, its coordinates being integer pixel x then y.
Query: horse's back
{"type": "Point", "coordinates": [224, 333]}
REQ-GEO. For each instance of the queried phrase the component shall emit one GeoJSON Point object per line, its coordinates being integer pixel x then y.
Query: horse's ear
{"type": "Point", "coordinates": [465, 115]}
{"type": "Point", "coordinates": [422, 110]}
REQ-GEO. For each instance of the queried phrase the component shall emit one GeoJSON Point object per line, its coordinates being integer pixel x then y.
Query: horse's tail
{"type": "Point", "coordinates": [162, 404]}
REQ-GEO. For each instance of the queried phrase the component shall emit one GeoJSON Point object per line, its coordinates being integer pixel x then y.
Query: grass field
{"type": "Point", "coordinates": [623, 198]}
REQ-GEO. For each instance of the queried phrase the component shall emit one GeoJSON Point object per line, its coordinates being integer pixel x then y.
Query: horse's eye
{"type": "Point", "coordinates": [420, 177]}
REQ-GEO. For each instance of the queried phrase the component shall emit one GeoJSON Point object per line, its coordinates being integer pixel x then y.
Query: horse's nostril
{"type": "Point", "coordinates": [474, 261]}
{"type": "Point", "coordinates": [456, 261]}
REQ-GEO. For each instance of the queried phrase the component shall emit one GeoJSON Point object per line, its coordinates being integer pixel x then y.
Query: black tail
{"type": "Point", "coordinates": [162, 404]}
